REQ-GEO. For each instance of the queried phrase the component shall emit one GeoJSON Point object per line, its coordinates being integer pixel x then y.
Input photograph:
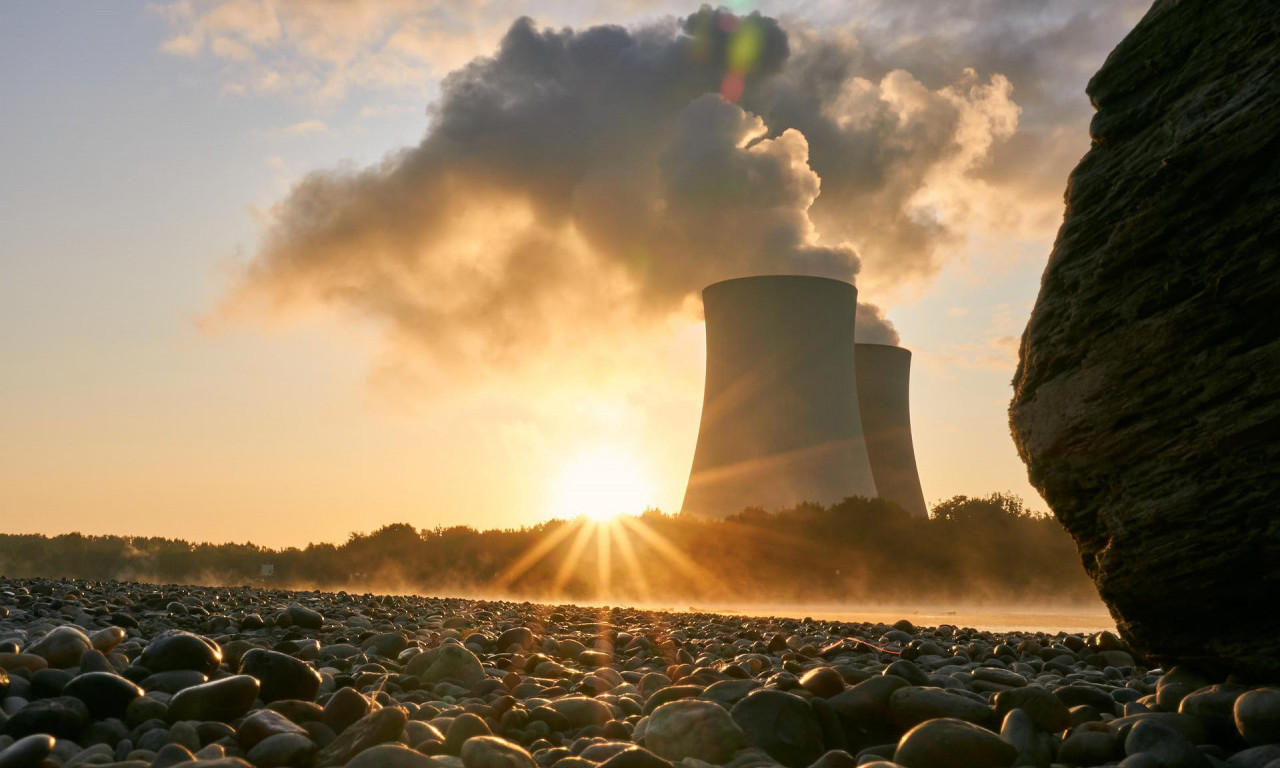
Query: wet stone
{"type": "Point", "coordinates": [782, 724]}
{"type": "Point", "coordinates": [346, 706]}
{"type": "Point", "coordinates": [172, 754]}
{"type": "Point", "coordinates": [397, 756]}
{"type": "Point", "coordinates": [693, 728]}
{"type": "Point", "coordinates": [1045, 710]}
{"type": "Point", "coordinates": [1169, 748]}
{"type": "Point", "coordinates": [61, 647]}
{"type": "Point", "coordinates": [263, 724]}
{"type": "Point", "coordinates": [951, 743]}
{"type": "Point", "coordinates": [1085, 747]}
{"type": "Point", "coordinates": [913, 705]}
{"type": "Point", "coordinates": [224, 699]}
{"type": "Point", "coordinates": [375, 728]}
{"type": "Point", "coordinates": [27, 752]}
{"type": "Point", "coordinates": [303, 616]}
{"type": "Point", "coordinates": [282, 749]}
{"type": "Point", "coordinates": [494, 752]}
{"type": "Point", "coordinates": [822, 681]}
{"type": "Point", "coordinates": [181, 650]}
{"type": "Point", "coordinates": [464, 727]}
{"type": "Point", "coordinates": [1257, 716]}
{"type": "Point", "coordinates": [62, 717]}
{"type": "Point", "coordinates": [280, 675]}
{"type": "Point", "coordinates": [866, 705]}
{"type": "Point", "coordinates": [448, 662]}
{"type": "Point", "coordinates": [105, 694]}
{"type": "Point", "coordinates": [907, 671]}
{"type": "Point", "coordinates": [173, 680]}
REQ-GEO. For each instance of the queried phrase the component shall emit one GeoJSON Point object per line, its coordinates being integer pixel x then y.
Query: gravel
{"type": "Point", "coordinates": [106, 673]}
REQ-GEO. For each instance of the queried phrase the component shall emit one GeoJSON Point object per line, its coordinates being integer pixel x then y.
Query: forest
{"type": "Point", "coordinates": [977, 549]}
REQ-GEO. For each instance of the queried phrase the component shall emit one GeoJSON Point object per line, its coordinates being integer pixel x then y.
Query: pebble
{"type": "Point", "coordinates": [1033, 745]}
{"type": "Point", "coordinates": [62, 717]}
{"type": "Point", "coordinates": [907, 671]}
{"type": "Point", "coordinates": [912, 705]}
{"type": "Point", "coordinates": [464, 727]}
{"type": "Point", "coordinates": [1165, 745]}
{"type": "Point", "coordinates": [305, 617]}
{"type": "Point", "coordinates": [866, 705]}
{"type": "Point", "coordinates": [282, 749]}
{"type": "Point", "coordinates": [951, 743]}
{"type": "Point", "coordinates": [393, 756]}
{"type": "Point", "coordinates": [1257, 716]}
{"type": "Point", "coordinates": [61, 647]}
{"type": "Point", "coordinates": [1087, 747]}
{"type": "Point", "coordinates": [224, 699]}
{"type": "Point", "coordinates": [1046, 710]}
{"type": "Point", "coordinates": [173, 681]}
{"type": "Point", "coordinates": [782, 724]}
{"type": "Point", "coordinates": [371, 730]}
{"type": "Point", "coordinates": [494, 752]}
{"type": "Point", "coordinates": [692, 728]}
{"type": "Point", "coordinates": [345, 706]}
{"type": "Point", "coordinates": [172, 754]}
{"type": "Point", "coordinates": [582, 711]}
{"type": "Point", "coordinates": [822, 681]}
{"type": "Point", "coordinates": [181, 650]}
{"type": "Point", "coordinates": [27, 752]}
{"type": "Point", "coordinates": [106, 639]}
{"type": "Point", "coordinates": [105, 694]}
{"type": "Point", "coordinates": [281, 675]}
{"type": "Point", "coordinates": [448, 662]}
{"type": "Point", "coordinates": [262, 725]}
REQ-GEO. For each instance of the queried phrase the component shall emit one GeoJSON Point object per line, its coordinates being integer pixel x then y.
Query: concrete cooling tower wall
{"type": "Point", "coordinates": [884, 378]}
{"type": "Point", "coordinates": [780, 420]}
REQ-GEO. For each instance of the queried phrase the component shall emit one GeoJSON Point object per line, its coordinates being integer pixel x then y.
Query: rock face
{"type": "Point", "coordinates": [1147, 397]}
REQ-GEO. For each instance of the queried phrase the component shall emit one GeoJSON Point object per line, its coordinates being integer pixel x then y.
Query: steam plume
{"type": "Point", "coordinates": [574, 176]}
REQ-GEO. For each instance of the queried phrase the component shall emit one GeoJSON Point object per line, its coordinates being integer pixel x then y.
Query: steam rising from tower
{"type": "Point", "coordinates": [785, 418]}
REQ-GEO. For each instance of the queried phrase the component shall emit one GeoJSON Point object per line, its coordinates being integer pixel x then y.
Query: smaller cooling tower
{"type": "Point", "coordinates": [780, 422]}
{"type": "Point", "coordinates": [884, 377]}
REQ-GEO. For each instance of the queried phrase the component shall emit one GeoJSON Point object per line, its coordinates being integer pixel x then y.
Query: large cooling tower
{"type": "Point", "coordinates": [780, 421]}
{"type": "Point", "coordinates": [884, 376]}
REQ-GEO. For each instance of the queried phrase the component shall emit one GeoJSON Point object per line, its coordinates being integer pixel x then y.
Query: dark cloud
{"type": "Point", "coordinates": [578, 174]}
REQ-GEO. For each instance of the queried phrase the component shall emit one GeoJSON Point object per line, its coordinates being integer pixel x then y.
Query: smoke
{"type": "Point", "coordinates": [578, 180]}
{"type": "Point", "coordinates": [872, 327]}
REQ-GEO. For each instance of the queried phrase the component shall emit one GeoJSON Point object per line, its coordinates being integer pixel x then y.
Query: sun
{"type": "Point", "coordinates": [601, 484]}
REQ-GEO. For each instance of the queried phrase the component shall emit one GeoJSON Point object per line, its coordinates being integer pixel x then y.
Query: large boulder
{"type": "Point", "coordinates": [1147, 396]}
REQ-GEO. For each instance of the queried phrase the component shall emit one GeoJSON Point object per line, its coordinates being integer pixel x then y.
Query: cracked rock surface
{"type": "Point", "coordinates": [1147, 397]}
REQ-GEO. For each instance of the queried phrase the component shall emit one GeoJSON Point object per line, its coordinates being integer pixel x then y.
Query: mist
{"type": "Point", "coordinates": [861, 553]}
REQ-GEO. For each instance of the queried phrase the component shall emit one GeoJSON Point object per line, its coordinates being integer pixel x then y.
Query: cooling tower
{"type": "Point", "coordinates": [780, 421]}
{"type": "Point", "coordinates": [884, 377]}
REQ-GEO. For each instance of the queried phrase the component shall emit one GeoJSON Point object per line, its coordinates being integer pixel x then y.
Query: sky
{"type": "Point", "coordinates": [276, 271]}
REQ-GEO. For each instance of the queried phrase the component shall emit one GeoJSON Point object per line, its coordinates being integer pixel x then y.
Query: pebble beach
{"type": "Point", "coordinates": [143, 675]}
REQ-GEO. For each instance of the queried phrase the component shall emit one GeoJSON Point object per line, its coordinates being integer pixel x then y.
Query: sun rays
{"type": "Point", "coordinates": [586, 571]}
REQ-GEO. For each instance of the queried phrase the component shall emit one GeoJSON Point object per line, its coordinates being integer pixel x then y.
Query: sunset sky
{"type": "Point", "coordinates": [276, 270]}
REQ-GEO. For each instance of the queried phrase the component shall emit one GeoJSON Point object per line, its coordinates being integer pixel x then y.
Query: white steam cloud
{"type": "Point", "coordinates": [579, 178]}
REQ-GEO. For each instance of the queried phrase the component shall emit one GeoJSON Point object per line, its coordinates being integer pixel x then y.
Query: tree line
{"type": "Point", "coordinates": [990, 548]}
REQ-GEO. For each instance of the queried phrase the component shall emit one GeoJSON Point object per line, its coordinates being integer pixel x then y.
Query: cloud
{"type": "Point", "coordinates": [301, 128]}
{"type": "Point", "coordinates": [320, 50]}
